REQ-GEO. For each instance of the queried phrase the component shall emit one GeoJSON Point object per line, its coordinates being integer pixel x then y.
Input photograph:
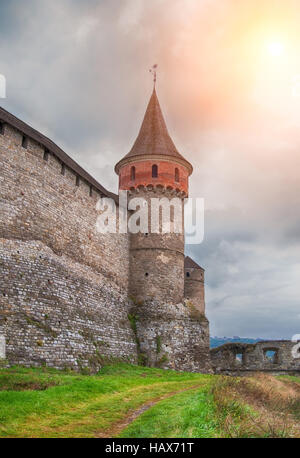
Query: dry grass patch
{"type": "Point", "coordinates": [260, 406]}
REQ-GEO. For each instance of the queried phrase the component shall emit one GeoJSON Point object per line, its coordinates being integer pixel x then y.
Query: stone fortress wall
{"type": "Point", "coordinates": [63, 286]}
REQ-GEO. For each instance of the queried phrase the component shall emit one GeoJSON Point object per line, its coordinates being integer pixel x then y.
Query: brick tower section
{"type": "Point", "coordinates": [154, 169]}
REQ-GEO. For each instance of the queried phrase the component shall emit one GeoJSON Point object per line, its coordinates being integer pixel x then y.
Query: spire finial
{"type": "Point", "coordinates": [153, 71]}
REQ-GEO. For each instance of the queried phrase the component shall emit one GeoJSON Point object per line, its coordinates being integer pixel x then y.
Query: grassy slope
{"type": "Point", "coordinates": [49, 403]}
{"type": "Point", "coordinates": [188, 414]}
{"type": "Point", "coordinates": [80, 405]}
{"type": "Point", "coordinates": [261, 406]}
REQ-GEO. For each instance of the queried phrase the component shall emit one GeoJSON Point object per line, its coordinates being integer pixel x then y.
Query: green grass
{"type": "Point", "coordinates": [80, 405]}
{"type": "Point", "coordinates": [43, 402]}
{"type": "Point", "coordinates": [185, 415]}
{"type": "Point", "coordinates": [19, 379]}
{"type": "Point", "coordinates": [291, 378]}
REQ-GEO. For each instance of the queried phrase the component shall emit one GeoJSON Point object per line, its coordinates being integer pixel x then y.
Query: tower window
{"type": "Point", "coordinates": [154, 171]}
{"type": "Point", "coordinates": [177, 175]}
{"type": "Point", "coordinates": [146, 274]}
{"type": "Point", "coordinates": [63, 169]}
{"type": "Point", "coordinates": [77, 180]}
{"type": "Point", "coordinates": [1, 128]}
{"type": "Point", "coordinates": [188, 274]}
{"type": "Point", "coordinates": [24, 141]}
{"type": "Point", "coordinates": [132, 174]}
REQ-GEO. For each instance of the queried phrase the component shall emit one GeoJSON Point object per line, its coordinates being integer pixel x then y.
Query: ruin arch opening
{"type": "Point", "coordinates": [271, 355]}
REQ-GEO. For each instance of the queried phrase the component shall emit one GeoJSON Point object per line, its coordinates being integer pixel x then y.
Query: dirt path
{"type": "Point", "coordinates": [118, 427]}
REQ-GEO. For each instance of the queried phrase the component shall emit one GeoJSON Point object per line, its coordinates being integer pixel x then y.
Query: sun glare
{"type": "Point", "coordinates": [275, 48]}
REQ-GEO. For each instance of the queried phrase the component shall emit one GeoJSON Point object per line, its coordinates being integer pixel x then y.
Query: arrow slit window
{"type": "Point", "coordinates": [154, 171]}
{"type": "Point", "coordinates": [132, 174]}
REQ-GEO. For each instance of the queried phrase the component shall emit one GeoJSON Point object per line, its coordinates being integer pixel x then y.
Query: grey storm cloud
{"type": "Point", "coordinates": [78, 72]}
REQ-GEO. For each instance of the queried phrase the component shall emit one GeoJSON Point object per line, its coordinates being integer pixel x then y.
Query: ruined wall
{"type": "Point", "coordinates": [268, 356]}
{"type": "Point", "coordinates": [173, 336]}
{"type": "Point", "coordinates": [63, 286]}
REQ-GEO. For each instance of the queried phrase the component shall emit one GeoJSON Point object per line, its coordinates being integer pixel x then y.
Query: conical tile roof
{"type": "Point", "coordinates": [153, 138]}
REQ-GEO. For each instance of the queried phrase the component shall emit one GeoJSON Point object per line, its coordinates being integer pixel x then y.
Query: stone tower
{"type": "Point", "coordinates": [194, 283]}
{"type": "Point", "coordinates": [155, 169]}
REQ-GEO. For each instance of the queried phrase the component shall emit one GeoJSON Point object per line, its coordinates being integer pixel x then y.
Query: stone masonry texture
{"type": "Point", "coordinates": [71, 297]}
{"type": "Point", "coordinates": [65, 289]}
{"type": "Point", "coordinates": [63, 286]}
{"type": "Point", "coordinates": [172, 336]}
{"type": "Point", "coordinates": [273, 356]}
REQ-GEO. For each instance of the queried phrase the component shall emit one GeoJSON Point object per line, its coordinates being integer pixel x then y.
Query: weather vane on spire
{"type": "Point", "coordinates": [153, 71]}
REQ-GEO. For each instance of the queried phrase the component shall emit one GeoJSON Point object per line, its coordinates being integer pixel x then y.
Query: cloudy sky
{"type": "Point", "coordinates": [77, 70]}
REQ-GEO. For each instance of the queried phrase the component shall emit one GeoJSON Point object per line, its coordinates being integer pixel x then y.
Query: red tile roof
{"type": "Point", "coordinates": [153, 138]}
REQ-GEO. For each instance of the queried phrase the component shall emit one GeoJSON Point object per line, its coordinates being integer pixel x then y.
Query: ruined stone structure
{"type": "Point", "coordinates": [272, 356]}
{"type": "Point", "coordinates": [74, 297]}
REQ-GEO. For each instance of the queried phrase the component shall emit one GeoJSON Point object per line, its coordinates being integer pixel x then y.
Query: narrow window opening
{"type": "Point", "coordinates": [146, 274]}
{"type": "Point", "coordinates": [91, 191]}
{"type": "Point", "coordinates": [176, 175]}
{"type": "Point", "coordinates": [46, 155]}
{"type": "Point", "coordinates": [154, 171]}
{"type": "Point", "coordinates": [77, 180]}
{"type": "Point", "coordinates": [188, 274]}
{"type": "Point", "coordinates": [1, 128]}
{"type": "Point", "coordinates": [132, 174]}
{"type": "Point", "coordinates": [239, 358]}
{"type": "Point", "coordinates": [24, 141]}
{"type": "Point", "coordinates": [63, 169]}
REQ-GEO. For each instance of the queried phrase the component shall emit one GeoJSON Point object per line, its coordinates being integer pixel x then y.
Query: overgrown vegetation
{"type": "Point", "coordinates": [43, 402]}
{"type": "Point", "coordinates": [133, 318]}
{"type": "Point", "coordinates": [158, 344]}
{"type": "Point", "coordinates": [39, 324]}
{"type": "Point", "coordinates": [260, 406]}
